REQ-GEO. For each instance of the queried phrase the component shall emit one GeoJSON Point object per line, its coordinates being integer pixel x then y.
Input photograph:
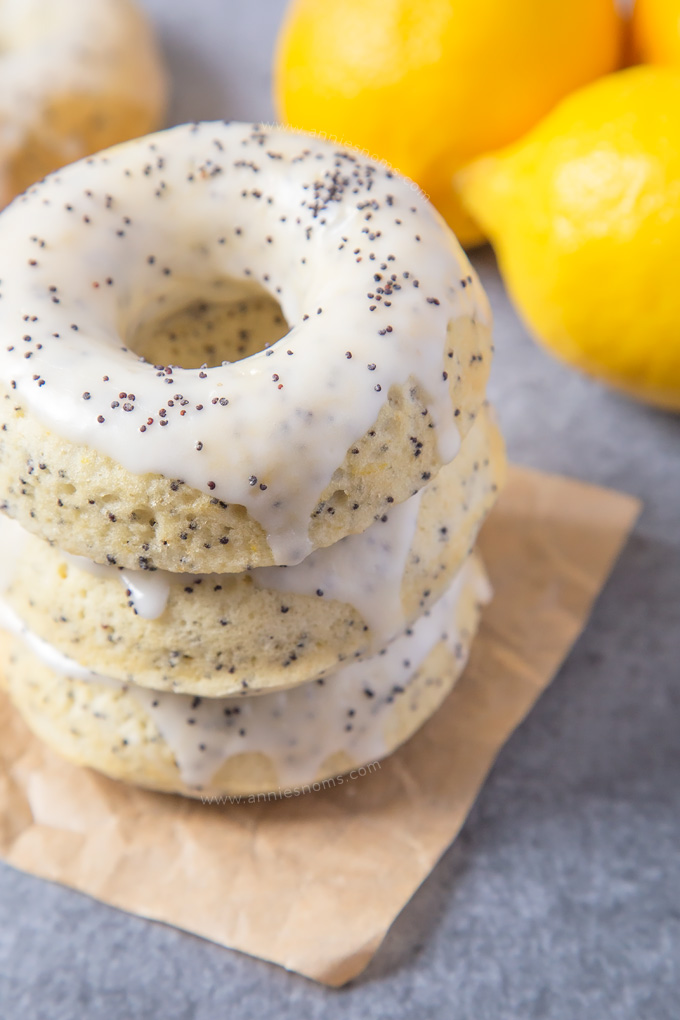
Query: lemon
{"type": "Point", "coordinates": [656, 31]}
{"type": "Point", "coordinates": [584, 214]}
{"type": "Point", "coordinates": [429, 85]}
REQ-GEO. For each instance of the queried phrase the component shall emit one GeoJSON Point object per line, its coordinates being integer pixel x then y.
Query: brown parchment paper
{"type": "Point", "coordinates": [313, 883]}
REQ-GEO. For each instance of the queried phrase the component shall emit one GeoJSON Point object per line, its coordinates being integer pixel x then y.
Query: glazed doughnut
{"type": "Point", "coordinates": [243, 746]}
{"type": "Point", "coordinates": [229, 464]}
{"type": "Point", "coordinates": [274, 627]}
{"type": "Point", "coordinates": [75, 76]}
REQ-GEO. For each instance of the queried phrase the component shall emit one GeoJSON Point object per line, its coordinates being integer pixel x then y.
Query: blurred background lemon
{"type": "Point", "coordinates": [429, 85]}
{"type": "Point", "coordinates": [584, 215]}
{"type": "Point", "coordinates": [656, 31]}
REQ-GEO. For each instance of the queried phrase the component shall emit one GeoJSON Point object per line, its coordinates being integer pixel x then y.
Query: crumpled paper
{"type": "Point", "coordinates": [313, 883]}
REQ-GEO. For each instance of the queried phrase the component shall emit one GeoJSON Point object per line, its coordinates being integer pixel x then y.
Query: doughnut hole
{"type": "Point", "coordinates": [228, 321]}
{"type": "Point", "coordinates": [184, 529]}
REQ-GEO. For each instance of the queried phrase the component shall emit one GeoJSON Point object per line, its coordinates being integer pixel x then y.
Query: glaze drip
{"type": "Point", "coordinates": [364, 571]}
{"type": "Point", "coordinates": [296, 729]}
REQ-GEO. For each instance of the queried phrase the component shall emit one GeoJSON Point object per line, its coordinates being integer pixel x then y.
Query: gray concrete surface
{"type": "Point", "coordinates": [561, 898]}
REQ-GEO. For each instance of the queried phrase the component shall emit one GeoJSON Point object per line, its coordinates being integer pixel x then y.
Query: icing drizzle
{"type": "Point", "coordinates": [299, 728]}
{"type": "Point", "coordinates": [366, 274]}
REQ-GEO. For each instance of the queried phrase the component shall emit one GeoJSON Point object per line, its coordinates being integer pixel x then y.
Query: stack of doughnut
{"type": "Point", "coordinates": [245, 452]}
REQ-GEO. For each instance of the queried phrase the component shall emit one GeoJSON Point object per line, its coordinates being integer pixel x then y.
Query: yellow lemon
{"type": "Point", "coordinates": [584, 214]}
{"type": "Point", "coordinates": [428, 85]}
{"type": "Point", "coordinates": [656, 31]}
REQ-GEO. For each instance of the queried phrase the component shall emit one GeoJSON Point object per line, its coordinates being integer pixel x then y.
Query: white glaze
{"type": "Point", "coordinates": [149, 591]}
{"type": "Point", "coordinates": [191, 198]}
{"type": "Point", "coordinates": [300, 727]}
{"type": "Point", "coordinates": [62, 664]}
{"type": "Point", "coordinates": [364, 571]}
{"type": "Point", "coordinates": [297, 729]}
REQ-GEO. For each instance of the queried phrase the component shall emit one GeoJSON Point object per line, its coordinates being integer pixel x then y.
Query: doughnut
{"type": "Point", "coordinates": [215, 635]}
{"type": "Point", "coordinates": [184, 744]}
{"type": "Point", "coordinates": [76, 75]}
{"type": "Point", "coordinates": [245, 454]}
{"type": "Point", "coordinates": [116, 444]}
